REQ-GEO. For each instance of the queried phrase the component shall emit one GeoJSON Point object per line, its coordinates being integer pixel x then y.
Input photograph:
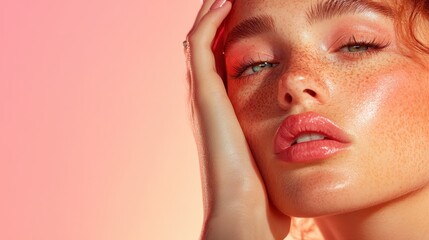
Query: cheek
{"type": "Point", "coordinates": [256, 107]}
{"type": "Point", "coordinates": [389, 120]}
{"type": "Point", "coordinates": [393, 106]}
{"type": "Point", "coordinates": [252, 100]}
{"type": "Point", "coordinates": [255, 104]}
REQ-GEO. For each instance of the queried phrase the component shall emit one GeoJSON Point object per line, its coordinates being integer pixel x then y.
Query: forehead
{"type": "Point", "coordinates": [259, 3]}
{"type": "Point", "coordinates": [244, 8]}
{"type": "Point", "coordinates": [300, 8]}
{"type": "Point", "coordinates": [297, 14]}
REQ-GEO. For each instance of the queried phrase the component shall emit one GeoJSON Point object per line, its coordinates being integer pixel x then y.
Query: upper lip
{"type": "Point", "coordinates": [306, 123]}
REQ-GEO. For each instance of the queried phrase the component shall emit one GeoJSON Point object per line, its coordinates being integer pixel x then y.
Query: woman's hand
{"type": "Point", "coordinates": [236, 205]}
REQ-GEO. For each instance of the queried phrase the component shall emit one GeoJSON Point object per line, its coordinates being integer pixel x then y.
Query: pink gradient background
{"type": "Point", "coordinates": [95, 141]}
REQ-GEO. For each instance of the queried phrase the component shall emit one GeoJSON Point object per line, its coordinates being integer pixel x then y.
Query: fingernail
{"type": "Point", "coordinates": [217, 4]}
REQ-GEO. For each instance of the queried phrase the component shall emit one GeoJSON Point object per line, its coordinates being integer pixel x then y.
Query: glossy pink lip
{"type": "Point", "coordinates": [296, 125]}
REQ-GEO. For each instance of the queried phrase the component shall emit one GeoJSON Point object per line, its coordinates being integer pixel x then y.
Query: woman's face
{"type": "Point", "coordinates": [316, 60]}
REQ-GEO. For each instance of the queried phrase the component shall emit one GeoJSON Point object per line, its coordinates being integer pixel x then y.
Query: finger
{"type": "Point", "coordinates": [210, 22]}
{"type": "Point", "coordinates": [201, 39]}
{"type": "Point", "coordinates": [205, 7]}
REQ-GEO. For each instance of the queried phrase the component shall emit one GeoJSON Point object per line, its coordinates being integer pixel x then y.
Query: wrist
{"type": "Point", "coordinates": [237, 224]}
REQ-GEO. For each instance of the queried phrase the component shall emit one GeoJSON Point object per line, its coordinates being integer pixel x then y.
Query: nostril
{"type": "Point", "coordinates": [288, 98]}
{"type": "Point", "coordinates": [310, 92]}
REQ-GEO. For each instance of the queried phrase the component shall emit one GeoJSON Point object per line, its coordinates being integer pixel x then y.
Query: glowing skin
{"type": "Point", "coordinates": [379, 97]}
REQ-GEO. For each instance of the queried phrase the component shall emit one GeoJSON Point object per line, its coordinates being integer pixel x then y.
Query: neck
{"type": "Point", "coordinates": [406, 217]}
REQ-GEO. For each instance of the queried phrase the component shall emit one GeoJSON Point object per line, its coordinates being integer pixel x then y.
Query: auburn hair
{"type": "Point", "coordinates": [412, 23]}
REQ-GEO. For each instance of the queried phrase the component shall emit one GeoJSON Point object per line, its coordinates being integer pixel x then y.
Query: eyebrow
{"type": "Point", "coordinates": [248, 28]}
{"type": "Point", "coordinates": [322, 10]}
{"type": "Point", "coordinates": [328, 9]}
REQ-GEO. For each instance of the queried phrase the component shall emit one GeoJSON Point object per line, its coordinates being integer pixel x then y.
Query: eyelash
{"type": "Point", "coordinates": [374, 45]}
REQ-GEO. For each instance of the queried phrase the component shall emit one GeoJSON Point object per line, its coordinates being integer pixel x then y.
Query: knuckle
{"type": "Point", "coordinates": [195, 40]}
{"type": "Point", "coordinates": [190, 32]}
{"type": "Point", "coordinates": [192, 38]}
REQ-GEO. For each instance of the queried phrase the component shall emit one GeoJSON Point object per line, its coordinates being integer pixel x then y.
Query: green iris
{"type": "Point", "coordinates": [259, 67]}
{"type": "Point", "coordinates": [357, 48]}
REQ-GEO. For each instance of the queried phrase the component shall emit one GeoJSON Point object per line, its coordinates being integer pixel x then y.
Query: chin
{"type": "Point", "coordinates": [313, 192]}
{"type": "Point", "coordinates": [316, 191]}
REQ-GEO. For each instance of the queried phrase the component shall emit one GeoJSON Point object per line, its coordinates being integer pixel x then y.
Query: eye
{"type": "Point", "coordinates": [355, 46]}
{"type": "Point", "coordinates": [252, 68]}
{"type": "Point", "coordinates": [256, 68]}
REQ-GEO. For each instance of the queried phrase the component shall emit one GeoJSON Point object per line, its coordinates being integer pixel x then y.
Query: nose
{"type": "Point", "coordinates": [301, 88]}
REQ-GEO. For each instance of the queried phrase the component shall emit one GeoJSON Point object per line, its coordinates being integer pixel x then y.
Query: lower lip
{"type": "Point", "coordinates": [312, 151]}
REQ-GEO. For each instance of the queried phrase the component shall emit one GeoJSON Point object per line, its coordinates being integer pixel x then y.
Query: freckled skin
{"type": "Point", "coordinates": [380, 100]}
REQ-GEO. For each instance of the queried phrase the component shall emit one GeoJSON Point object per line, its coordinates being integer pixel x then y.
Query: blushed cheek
{"type": "Point", "coordinates": [376, 95]}
{"type": "Point", "coordinates": [392, 123]}
{"type": "Point", "coordinates": [406, 108]}
{"type": "Point", "coordinates": [390, 98]}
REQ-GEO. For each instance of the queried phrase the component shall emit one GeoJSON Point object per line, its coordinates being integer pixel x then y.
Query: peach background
{"type": "Point", "coordinates": [95, 141]}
